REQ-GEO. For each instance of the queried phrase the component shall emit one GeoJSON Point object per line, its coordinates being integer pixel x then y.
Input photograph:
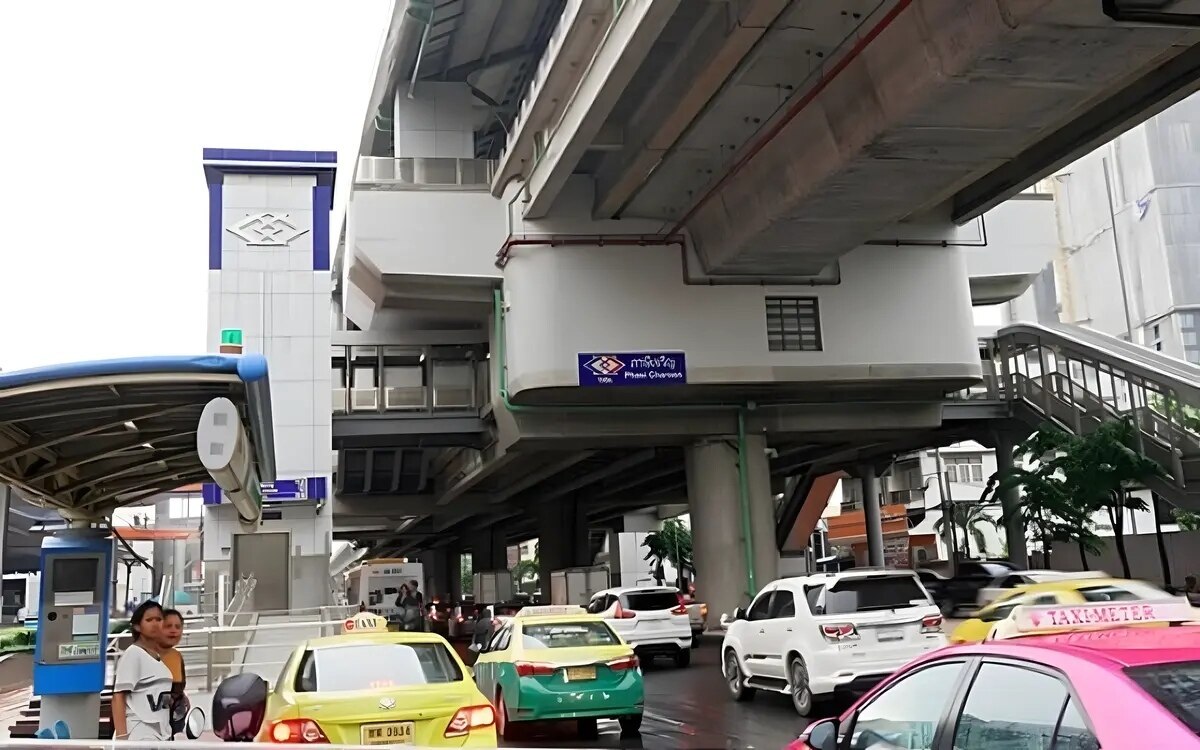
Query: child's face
{"type": "Point", "coordinates": [172, 631]}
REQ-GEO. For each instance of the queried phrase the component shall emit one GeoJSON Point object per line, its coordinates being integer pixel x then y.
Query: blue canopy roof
{"type": "Point", "coordinates": [88, 437]}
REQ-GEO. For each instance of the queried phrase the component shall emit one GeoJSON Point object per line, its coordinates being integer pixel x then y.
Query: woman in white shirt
{"type": "Point", "coordinates": [141, 704]}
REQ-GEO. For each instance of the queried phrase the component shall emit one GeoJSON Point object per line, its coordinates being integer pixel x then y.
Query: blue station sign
{"type": "Point", "coordinates": [285, 489]}
{"type": "Point", "coordinates": [636, 368]}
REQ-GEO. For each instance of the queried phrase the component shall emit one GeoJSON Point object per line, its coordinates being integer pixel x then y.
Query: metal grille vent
{"type": "Point", "coordinates": [793, 324]}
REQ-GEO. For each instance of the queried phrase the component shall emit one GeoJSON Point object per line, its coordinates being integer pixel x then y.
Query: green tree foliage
{"type": "Point", "coordinates": [970, 519]}
{"type": "Point", "coordinates": [466, 578]}
{"type": "Point", "coordinates": [526, 571]}
{"type": "Point", "coordinates": [1067, 479]}
{"type": "Point", "coordinates": [672, 543]}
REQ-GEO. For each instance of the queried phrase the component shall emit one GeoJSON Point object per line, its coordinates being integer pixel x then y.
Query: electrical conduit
{"type": "Point", "coordinates": [501, 339]}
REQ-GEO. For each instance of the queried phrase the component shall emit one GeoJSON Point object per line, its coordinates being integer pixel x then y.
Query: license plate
{"type": "Point", "coordinates": [579, 674]}
{"type": "Point", "coordinates": [889, 635]}
{"type": "Point", "coordinates": [395, 733]}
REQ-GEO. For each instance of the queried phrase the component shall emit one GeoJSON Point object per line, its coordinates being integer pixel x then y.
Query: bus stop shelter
{"type": "Point", "coordinates": [83, 439]}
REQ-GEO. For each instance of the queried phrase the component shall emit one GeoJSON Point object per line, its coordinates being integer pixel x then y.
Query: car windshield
{"type": "Point", "coordinates": [851, 595]}
{"type": "Point", "coordinates": [375, 666]}
{"type": "Point", "coordinates": [1176, 686]}
{"type": "Point", "coordinates": [651, 601]}
{"type": "Point", "coordinates": [568, 635]}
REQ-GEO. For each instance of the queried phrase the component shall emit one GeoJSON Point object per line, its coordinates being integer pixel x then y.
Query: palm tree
{"type": "Point", "coordinates": [672, 543]}
{"type": "Point", "coordinates": [969, 517]}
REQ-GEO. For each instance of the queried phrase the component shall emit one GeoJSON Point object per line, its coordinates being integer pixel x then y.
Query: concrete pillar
{"type": "Point", "coordinates": [562, 539]}
{"type": "Point", "coordinates": [5, 502]}
{"type": "Point", "coordinates": [871, 513]}
{"type": "Point", "coordinates": [719, 544]}
{"type": "Point", "coordinates": [443, 574]}
{"type": "Point", "coordinates": [1010, 504]}
{"type": "Point", "coordinates": [489, 550]}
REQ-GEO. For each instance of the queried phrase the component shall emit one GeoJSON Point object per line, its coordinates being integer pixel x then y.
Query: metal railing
{"type": "Point", "coordinates": [425, 383]}
{"type": "Point", "coordinates": [423, 173]}
{"type": "Point", "coordinates": [250, 643]}
{"type": "Point", "coordinates": [1077, 378]}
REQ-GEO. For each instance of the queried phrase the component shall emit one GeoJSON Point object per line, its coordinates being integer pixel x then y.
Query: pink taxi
{"type": "Point", "coordinates": [1117, 676]}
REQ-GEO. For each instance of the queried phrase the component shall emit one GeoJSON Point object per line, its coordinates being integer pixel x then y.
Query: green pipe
{"type": "Point", "coordinates": [744, 498]}
{"type": "Point", "coordinates": [501, 338]}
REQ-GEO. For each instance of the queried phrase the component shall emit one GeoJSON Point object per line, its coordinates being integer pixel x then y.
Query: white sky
{"type": "Point", "coordinates": [104, 110]}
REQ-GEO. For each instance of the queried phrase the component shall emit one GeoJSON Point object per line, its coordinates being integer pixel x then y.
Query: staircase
{"type": "Point", "coordinates": [1077, 379]}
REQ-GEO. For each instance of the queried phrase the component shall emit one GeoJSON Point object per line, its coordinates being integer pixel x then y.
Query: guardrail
{"type": "Point", "coordinates": [420, 173]}
{"type": "Point", "coordinates": [248, 644]}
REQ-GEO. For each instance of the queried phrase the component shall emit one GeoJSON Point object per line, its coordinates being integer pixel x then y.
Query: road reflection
{"type": "Point", "coordinates": [690, 709]}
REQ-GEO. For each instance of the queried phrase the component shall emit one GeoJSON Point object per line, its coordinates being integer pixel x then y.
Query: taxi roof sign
{"type": "Point", "coordinates": [365, 622]}
{"type": "Point", "coordinates": [551, 609]}
{"type": "Point", "coordinates": [1060, 617]}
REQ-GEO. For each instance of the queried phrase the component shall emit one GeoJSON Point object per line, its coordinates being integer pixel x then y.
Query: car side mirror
{"type": "Point", "coordinates": [823, 735]}
{"type": "Point", "coordinates": [740, 613]}
{"type": "Point", "coordinates": [475, 647]}
{"type": "Point", "coordinates": [193, 723]}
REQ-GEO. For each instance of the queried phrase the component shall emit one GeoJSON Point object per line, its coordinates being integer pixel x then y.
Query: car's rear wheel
{"type": "Point", "coordinates": [505, 729]}
{"type": "Point", "coordinates": [735, 679]}
{"type": "Point", "coordinates": [947, 608]}
{"type": "Point", "coordinates": [631, 725]}
{"type": "Point", "coordinates": [802, 697]}
{"type": "Point", "coordinates": [588, 729]}
{"type": "Point", "coordinates": [683, 657]}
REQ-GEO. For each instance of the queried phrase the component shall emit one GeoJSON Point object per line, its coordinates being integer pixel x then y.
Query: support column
{"type": "Point", "coordinates": [443, 576]}
{"type": "Point", "coordinates": [871, 514]}
{"type": "Point", "coordinates": [5, 503]}
{"type": "Point", "coordinates": [489, 550]}
{"type": "Point", "coordinates": [1010, 504]}
{"type": "Point", "coordinates": [562, 539]}
{"type": "Point", "coordinates": [719, 539]}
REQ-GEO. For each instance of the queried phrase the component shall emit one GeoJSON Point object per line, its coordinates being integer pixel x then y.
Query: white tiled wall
{"type": "Point", "coordinates": [439, 121]}
{"type": "Point", "coordinates": [281, 306]}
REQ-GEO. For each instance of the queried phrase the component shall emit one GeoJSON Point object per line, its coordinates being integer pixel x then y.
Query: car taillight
{"type": "Point", "coordinates": [682, 608]}
{"type": "Point", "coordinates": [625, 663]}
{"type": "Point", "coordinates": [474, 717]}
{"type": "Point", "coordinates": [704, 610]}
{"type": "Point", "coordinates": [533, 669]}
{"type": "Point", "coordinates": [839, 632]}
{"type": "Point", "coordinates": [621, 613]}
{"type": "Point", "coordinates": [297, 731]}
{"type": "Point", "coordinates": [931, 624]}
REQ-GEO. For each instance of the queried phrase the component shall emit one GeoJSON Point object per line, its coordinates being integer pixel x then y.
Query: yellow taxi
{"type": "Point", "coordinates": [1068, 591]}
{"type": "Point", "coordinates": [558, 663]}
{"type": "Point", "coordinates": [369, 686]}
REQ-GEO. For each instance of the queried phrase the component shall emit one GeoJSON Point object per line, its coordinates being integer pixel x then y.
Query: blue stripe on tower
{"type": "Point", "coordinates": [322, 200]}
{"type": "Point", "coordinates": [214, 226]}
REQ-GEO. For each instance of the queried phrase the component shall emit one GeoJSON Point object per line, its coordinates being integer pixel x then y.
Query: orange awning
{"type": "Point", "coordinates": [142, 534]}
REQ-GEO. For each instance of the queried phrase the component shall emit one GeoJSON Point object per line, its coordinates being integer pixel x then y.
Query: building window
{"type": "Point", "coordinates": [185, 506]}
{"type": "Point", "coordinates": [793, 324]}
{"type": "Point", "coordinates": [964, 469]}
{"type": "Point", "coordinates": [1189, 332]}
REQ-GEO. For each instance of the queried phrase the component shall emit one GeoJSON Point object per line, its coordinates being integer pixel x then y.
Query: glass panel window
{"type": "Point", "coordinates": [1010, 707]}
{"type": "Point", "coordinates": [906, 714]}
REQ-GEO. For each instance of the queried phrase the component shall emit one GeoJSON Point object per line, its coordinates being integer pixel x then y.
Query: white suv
{"type": "Point", "coordinates": [652, 619]}
{"type": "Point", "coordinates": [817, 635]}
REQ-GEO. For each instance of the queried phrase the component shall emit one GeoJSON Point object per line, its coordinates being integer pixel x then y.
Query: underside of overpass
{"type": "Point", "coordinates": [781, 134]}
{"type": "Point", "coordinates": [776, 135]}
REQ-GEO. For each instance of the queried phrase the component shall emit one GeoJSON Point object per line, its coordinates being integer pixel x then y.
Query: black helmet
{"type": "Point", "coordinates": [238, 707]}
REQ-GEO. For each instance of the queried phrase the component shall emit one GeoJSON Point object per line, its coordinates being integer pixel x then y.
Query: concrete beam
{"type": "Point", "coordinates": [622, 51]}
{"type": "Point", "coordinates": [541, 475]}
{"type": "Point", "coordinates": [475, 477]}
{"type": "Point", "coordinates": [711, 54]}
{"type": "Point", "coordinates": [393, 506]}
{"type": "Point", "coordinates": [616, 467]}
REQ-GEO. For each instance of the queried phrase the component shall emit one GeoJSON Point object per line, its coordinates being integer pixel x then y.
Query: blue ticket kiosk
{"type": "Point", "coordinates": [69, 658]}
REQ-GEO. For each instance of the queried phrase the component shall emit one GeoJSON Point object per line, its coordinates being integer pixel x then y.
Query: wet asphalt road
{"type": "Point", "coordinates": [690, 709]}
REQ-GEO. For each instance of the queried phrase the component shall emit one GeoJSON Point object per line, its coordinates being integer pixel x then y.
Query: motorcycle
{"type": "Point", "coordinates": [238, 708]}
